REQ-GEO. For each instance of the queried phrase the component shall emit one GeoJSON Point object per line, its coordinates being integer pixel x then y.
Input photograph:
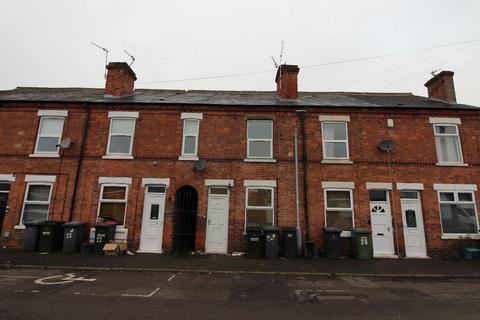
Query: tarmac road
{"type": "Point", "coordinates": [66, 294]}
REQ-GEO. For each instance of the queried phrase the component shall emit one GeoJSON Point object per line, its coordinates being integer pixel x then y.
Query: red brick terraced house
{"type": "Point", "coordinates": [190, 170]}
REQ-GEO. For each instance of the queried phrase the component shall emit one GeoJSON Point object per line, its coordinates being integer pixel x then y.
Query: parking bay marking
{"type": "Point", "coordinates": [141, 295]}
{"type": "Point", "coordinates": [63, 279]}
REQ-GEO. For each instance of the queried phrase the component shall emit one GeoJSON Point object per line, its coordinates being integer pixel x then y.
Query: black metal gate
{"type": "Point", "coordinates": [185, 219]}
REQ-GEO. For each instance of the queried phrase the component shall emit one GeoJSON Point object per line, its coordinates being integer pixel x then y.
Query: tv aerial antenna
{"type": "Point", "coordinates": [434, 72]}
{"type": "Point", "coordinates": [131, 57]}
{"type": "Point", "coordinates": [106, 56]}
{"type": "Point", "coordinates": [280, 58]}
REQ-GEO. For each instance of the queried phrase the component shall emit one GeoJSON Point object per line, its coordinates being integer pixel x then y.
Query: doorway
{"type": "Point", "coordinates": [151, 238]}
{"type": "Point", "coordinates": [381, 221]}
{"type": "Point", "coordinates": [185, 219]}
{"type": "Point", "coordinates": [4, 190]}
{"type": "Point", "coordinates": [413, 229]}
{"type": "Point", "coordinates": [217, 220]}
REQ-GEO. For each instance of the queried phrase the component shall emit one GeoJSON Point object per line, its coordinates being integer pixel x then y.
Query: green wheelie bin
{"type": "Point", "coordinates": [362, 243]}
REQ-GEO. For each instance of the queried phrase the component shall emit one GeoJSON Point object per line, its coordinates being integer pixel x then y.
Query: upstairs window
{"type": "Point", "coordinates": [447, 142]}
{"type": "Point", "coordinates": [120, 137]}
{"type": "Point", "coordinates": [49, 133]}
{"type": "Point", "coordinates": [191, 128]}
{"type": "Point", "coordinates": [260, 139]}
{"type": "Point", "coordinates": [458, 213]}
{"type": "Point", "coordinates": [335, 140]}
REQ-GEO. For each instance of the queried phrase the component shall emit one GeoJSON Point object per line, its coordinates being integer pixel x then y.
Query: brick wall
{"type": "Point", "coordinates": [222, 143]}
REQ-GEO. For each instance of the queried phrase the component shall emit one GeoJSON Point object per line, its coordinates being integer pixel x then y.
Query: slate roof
{"type": "Point", "coordinates": [230, 98]}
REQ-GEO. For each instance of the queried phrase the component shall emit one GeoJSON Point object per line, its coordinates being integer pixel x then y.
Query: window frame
{"type": "Point", "coordinates": [254, 139]}
{"type": "Point", "coordinates": [197, 132]}
{"type": "Point", "coordinates": [325, 141]}
{"type": "Point", "coordinates": [53, 153]}
{"type": "Point", "coordinates": [26, 201]}
{"type": "Point", "coordinates": [457, 135]}
{"type": "Point", "coordinates": [345, 233]}
{"type": "Point", "coordinates": [272, 189]}
{"type": "Point", "coordinates": [100, 199]}
{"type": "Point", "coordinates": [456, 201]}
{"type": "Point", "coordinates": [132, 135]}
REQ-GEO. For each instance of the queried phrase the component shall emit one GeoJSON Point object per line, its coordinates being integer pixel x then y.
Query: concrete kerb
{"type": "Point", "coordinates": [243, 272]}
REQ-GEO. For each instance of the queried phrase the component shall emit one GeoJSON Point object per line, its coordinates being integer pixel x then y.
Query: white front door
{"type": "Point", "coordinates": [413, 230]}
{"type": "Point", "coordinates": [381, 220]}
{"type": "Point", "coordinates": [152, 222]}
{"type": "Point", "coordinates": [217, 220]}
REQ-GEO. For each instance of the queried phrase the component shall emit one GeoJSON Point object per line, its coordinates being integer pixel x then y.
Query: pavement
{"type": "Point", "coordinates": [227, 264]}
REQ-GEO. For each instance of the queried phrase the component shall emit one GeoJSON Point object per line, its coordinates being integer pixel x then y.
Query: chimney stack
{"type": "Point", "coordinates": [441, 87]}
{"type": "Point", "coordinates": [286, 79]}
{"type": "Point", "coordinates": [120, 79]}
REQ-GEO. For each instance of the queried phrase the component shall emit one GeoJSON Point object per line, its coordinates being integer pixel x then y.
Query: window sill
{"type": "Point", "coordinates": [188, 158]}
{"type": "Point", "coordinates": [259, 160]}
{"type": "Point", "coordinates": [447, 164]}
{"type": "Point", "coordinates": [342, 161]}
{"type": "Point", "coordinates": [19, 227]}
{"type": "Point", "coordinates": [44, 155]}
{"type": "Point", "coordinates": [460, 236]}
{"type": "Point", "coordinates": [117, 157]}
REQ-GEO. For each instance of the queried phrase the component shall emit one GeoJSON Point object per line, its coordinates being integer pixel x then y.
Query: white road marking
{"type": "Point", "coordinates": [171, 278]}
{"type": "Point", "coordinates": [141, 295]}
{"type": "Point", "coordinates": [67, 278]}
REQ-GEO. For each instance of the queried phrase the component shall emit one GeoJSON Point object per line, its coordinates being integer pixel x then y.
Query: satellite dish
{"type": "Point", "coordinates": [65, 143]}
{"type": "Point", "coordinates": [386, 145]}
{"type": "Point", "coordinates": [199, 165]}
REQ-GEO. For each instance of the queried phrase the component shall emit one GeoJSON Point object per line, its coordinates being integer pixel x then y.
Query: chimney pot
{"type": "Point", "coordinates": [287, 83]}
{"type": "Point", "coordinates": [441, 87]}
{"type": "Point", "coordinates": [120, 79]}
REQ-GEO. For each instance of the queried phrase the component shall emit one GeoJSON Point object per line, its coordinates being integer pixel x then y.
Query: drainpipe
{"type": "Point", "coordinates": [297, 198]}
{"type": "Point", "coordinates": [86, 126]}
{"type": "Point", "coordinates": [301, 117]}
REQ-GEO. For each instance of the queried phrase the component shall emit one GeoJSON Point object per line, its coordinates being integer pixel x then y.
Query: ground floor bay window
{"type": "Point", "coordinates": [458, 213]}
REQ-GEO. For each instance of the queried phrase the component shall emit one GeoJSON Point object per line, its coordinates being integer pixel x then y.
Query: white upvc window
{"type": "Point", "coordinates": [191, 129]}
{"type": "Point", "coordinates": [259, 206]}
{"type": "Point", "coordinates": [49, 135]}
{"type": "Point", "coordinates": [113, 202]}
{"type": "Point", "coordinates": [260, 139]}
{"type": "Point", "coordinates": [36, 202]}
{"type": "Point", "coordinates": [447, 142]}
{"type": "Point", "coordinates": [120, 137]}
{"type": "Point", "coordinates": [335, 140]}
{"type": "Point", "coordinates": [458, 213]}
{"type": "Point", "coordinates": [339, 209]}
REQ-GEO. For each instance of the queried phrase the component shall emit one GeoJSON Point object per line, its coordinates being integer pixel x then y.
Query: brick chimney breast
{"type": "Point", "coordinates": [286, 79]}
{"type": "Point", "coordinates": [120, 79]}
{"type": "Point", "coordinates": [441, 87]}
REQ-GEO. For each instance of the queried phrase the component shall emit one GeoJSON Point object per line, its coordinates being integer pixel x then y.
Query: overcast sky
{"type": "Point", "coordinates": [47, 43]}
